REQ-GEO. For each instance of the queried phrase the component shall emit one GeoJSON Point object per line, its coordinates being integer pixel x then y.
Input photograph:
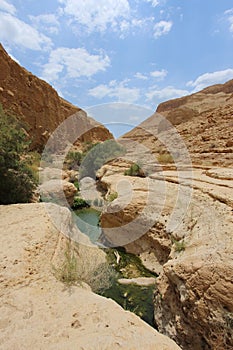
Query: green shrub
{"type": "Point", "coordinates": [112, 196]}
{"type": "Point", "coordinates": [79, 203]}
{"type": "Point", "coordinates": [73, 159]}
{"type": "Point", "coordinates": [67, 272]}
{"type": "Point", "coordinates": [76, 184]}
{"type": "Point", "coordinates": [34, 160]}
{"type": "Point", "coordinates": [97, 155]}
{"type": "Point", "coordinates": [85, 267]}
{"type": "Point", "coordinates": [134, 170]}
{"type": "Point", "coordinates": [179, 245]}
{"type": "Point", "coordinates": [17, 182]}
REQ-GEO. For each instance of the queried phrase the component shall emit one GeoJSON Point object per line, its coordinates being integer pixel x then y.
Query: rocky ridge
{"type": "Point", "coordinates": [203, 120]}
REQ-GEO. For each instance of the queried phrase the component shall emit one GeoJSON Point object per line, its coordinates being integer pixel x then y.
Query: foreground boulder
{"type": "Point", "coordinates": [38, 311]}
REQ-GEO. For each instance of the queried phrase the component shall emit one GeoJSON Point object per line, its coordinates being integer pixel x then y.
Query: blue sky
{"type": "Point", "coordinates": [138, 52]}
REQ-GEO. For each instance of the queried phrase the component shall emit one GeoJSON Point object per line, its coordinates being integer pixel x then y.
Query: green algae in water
{"type": "Point", "coordinates": [134, 298]}
{"type": "Point", "coordinates": [129, 266]}
{"type": "Point", "coordinates": [87, 220]}
{"type": "Point", "coordinates": [137, 299]}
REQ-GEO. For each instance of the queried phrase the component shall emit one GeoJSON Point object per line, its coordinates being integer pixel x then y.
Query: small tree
{"type": "Point", "coordinates": [97, 155]}
{"type": "Point", "coordinates": [17, 182]}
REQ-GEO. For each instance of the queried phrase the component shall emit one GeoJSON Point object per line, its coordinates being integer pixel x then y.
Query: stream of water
{"type": "Point", "coordinates": [138, 299]}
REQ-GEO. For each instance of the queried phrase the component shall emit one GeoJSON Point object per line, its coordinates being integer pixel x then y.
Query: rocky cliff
{"type": "Point", "coordinates": [37, 310]}
{"type": "Point", "coordinates": [203, 120]}
{"type": "Point", "coordinates": [178, 219]}
{"type": "Point", "coordinates": [182, 230]}
{"type": "Point", "coordinates": [38, 104]}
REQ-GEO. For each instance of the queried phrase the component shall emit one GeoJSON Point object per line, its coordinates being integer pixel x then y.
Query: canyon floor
{"type": "Point", "coordinates": [40, 312]}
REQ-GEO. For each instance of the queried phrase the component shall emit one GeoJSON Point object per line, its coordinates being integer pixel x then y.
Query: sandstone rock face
{"type": "Point", "coordinates": [194, 293]}
{"type": "Point", "coordinates": [186, 237]}
{"type": "Point", "coordinates": [39, 105]}
{"type": "Point", "coordinates": [204, 121]}
{"type": "Point", "coordinates": [37, 311]}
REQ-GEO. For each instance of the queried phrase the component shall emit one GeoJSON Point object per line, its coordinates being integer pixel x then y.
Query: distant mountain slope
{"type": "Point", "coordinates": [38, 104]}
{"type": "Point", "coordinates": [204, 120]}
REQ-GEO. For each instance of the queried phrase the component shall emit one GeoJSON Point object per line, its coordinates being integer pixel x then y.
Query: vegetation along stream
{"type": "Point", "coordinates": [132, 297]}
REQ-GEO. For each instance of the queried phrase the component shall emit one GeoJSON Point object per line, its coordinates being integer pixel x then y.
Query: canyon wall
{"type": "Point", "coordinates": [178, 219]}
{"type": "Point", "coordinates": [37, 104]}
{"type": "Point", "coordinates": [203, 120]}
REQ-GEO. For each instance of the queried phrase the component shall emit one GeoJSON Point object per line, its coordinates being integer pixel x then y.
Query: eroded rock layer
{"type": "Point", "coordinates": [204, 121]}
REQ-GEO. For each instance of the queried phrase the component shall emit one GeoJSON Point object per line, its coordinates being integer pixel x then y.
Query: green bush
{"type": "Point", "coordinates": [134, 170]}
{"type": "Point", "coordinates": [73, 159]}
{"type": "Point", "coordinates": [17, 182]}
{"type": "Point", "coordinates": [79, 203]}
{"type": "Point", "coordinates": [67, 272]}
{"type": "Point", "coordinates": [34, 160]}
{"type": "Point", "coordinates": [179, 245]}
{"type": "Point", "coordinates": [112, 196]}
{"type": "Point", "coordinates": [85, 267]}
{"type": "Point", "coordinates": [76, 184]}
{"type": "Point", "coordinates": [97, 155]}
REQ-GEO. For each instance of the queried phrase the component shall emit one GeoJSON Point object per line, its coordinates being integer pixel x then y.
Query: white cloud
{"type": "Point", "coordinates": [154, 3]}
{"type": "Point", "coordinates": [229, 15]}
{"type": "Point", "coordinates": [48, 22]}
{"type": "Point", "coordinates": [7, 7]}
{"type": "Point", "coordinates": [74, 63]}
{"type": "Point", "coordinates": [208, 79]}
{"type": "Point", "coordinates": [117, 90]}
{"type": "Point", "coordinates": [162, 28]}
{"type": "Point", "coordinates": [98, 15]}
{"type": "Point", "coordinates": [13, 30]}
{"type": "Point", "coordinates": [164, 94]}
{"type": "Point", "coordinates": [140, 76]}
{"type": "Point", "coordinates": [159, 74]}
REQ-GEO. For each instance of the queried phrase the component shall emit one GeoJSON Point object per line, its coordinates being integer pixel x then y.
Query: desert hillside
{"type": "Point", "coordinates": [39, 105]}
{"type": "Point", "coordinates": [203, 120]}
